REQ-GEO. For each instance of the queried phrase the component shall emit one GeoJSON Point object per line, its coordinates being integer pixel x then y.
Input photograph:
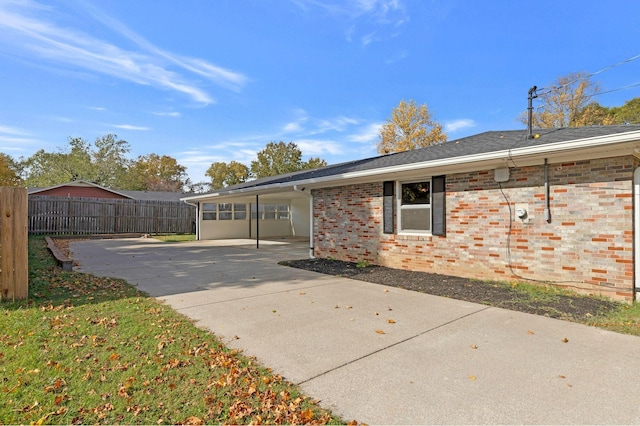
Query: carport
{"type": "Point", "coordinates": [254, 213]}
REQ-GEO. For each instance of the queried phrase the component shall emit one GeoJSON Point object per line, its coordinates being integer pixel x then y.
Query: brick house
{"type": "Point", "coordinates": [560, 206]}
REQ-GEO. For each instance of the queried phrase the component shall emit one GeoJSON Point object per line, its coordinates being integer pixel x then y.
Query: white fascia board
{"type": "Point", "coordinates": [524, 152]}
{"type": "Point", "coordinates": [530, 151]}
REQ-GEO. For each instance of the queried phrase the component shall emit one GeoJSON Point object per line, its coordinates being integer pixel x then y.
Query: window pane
{"type": "Point", "coordinates": [259, 213]}
{"type": "Point", "coordinates": [239, 207]}
{"type": "Point", "coordinates": [416, 193]}
{"type": "Point", "coordinates": [209, 207]}
{"type": "Point", "coordinates": [269, 211]}
{"type": "Point", "coordinates": [415, 219]}
{"type": "Point", "coordinates": [239, 215]}
{"type": "Point", "coordinates": [224, 207]}
{"type": "Point", "coordinates": [208, 215]}
{"type": "Point", "coordinates": [283, 211]}
{"type": "Point", "coordinates": [224, 215]}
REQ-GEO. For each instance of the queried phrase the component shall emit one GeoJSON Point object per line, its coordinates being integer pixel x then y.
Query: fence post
{"type": "Point", "coordinates": [14, 274]}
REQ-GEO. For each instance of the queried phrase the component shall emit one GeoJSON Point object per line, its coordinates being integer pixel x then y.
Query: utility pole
{"type": "Point", "coordinates": [532, 96]}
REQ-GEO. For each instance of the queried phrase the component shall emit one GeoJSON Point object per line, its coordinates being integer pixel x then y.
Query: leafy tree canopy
{"type": "Point", "coordinates": [280, 158]}
{"type": "Point", "coordinates": [409, 127]}
{"type": "Point", "coordinates": [153, 172]}
{"type": "Point", "coordinates": [103, 163]}
{"type": "Point", "coordinates": [9, 171]}
{"type": "Point", "coordinates": [223, 174]}
{"type": "Point", "coordinates": [564, 101]}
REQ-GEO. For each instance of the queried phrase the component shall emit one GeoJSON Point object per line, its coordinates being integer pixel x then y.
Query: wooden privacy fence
{"type": "Point", "coordinates": [14, 274]}
{"type": "Point", "coordinates": [77, 216]}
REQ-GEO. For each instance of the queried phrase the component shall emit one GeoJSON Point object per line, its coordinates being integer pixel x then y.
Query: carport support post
{"type": "Point", "coordinates": [257, 223]}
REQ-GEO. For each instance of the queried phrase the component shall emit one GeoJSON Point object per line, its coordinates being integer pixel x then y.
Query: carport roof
{"type": "Point", "coordinates": [475, 147]}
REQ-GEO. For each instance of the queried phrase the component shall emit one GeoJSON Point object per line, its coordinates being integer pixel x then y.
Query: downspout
{"type": "Point", "coordinates": [636, 234]}
{"type": "Point", "coordinates": [197, 206]}
{"type": "Point", "coordinates": [547, 202]}
{"type": "Point", "coordinates": [311, 239]}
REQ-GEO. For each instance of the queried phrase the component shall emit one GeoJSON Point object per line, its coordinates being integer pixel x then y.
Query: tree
{"type": "Point", "coordinates": [157, 173]}
{"type": "Point", "coordinates": [280, 158]}
{"type": "Point", "coordinates": [105, 164]}
{"type": "Point", "coordinates": [110, 162]}
{"type": "Point", "coordinates": [594, 114]}
{"type": "Point", "coordinates": [564, 102]}
{"type": "Point", "coordinates": [629, 113]}
{"type": "Point", "coordinates": [9, 171]}
{"type": "Point", "coordinates": [223, 174]}
{"type": "Point", "coordinates": [410, 127]}
{"type": "Point", "coordinates": [53, 168]}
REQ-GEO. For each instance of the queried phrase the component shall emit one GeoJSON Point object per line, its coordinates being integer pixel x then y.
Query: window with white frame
{"type": "Point", "coordinates": [270, 211]}
{"type": "Point", "coordinates": [224, 211]}
{"type": "Point", "coordinates": [414, 206]}
{"type": "Point", "coordinates": [239, 211]}
{"type": "Point", "coordinates": [209, 211]}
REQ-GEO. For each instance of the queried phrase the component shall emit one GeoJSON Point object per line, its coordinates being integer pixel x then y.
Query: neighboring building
{"type": "Point", "coordinates": [82, 207]}
{"type": "Point", "coordinates": [561, 207]}
{"type": "Point", "coordinates": [86, 189]}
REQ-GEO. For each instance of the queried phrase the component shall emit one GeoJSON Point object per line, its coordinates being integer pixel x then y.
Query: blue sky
{"type": "Point", "coordinates": [206, 81]}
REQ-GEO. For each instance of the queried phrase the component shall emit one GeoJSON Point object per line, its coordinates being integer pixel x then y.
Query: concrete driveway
{"type": "Point", "coordinates": [439, 361]}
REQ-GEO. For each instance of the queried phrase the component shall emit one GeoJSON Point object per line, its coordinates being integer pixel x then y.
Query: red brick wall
{"type": "Point", "coordinates": [588, 245]}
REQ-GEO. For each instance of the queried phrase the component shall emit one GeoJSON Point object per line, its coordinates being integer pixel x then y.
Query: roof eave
{"type": "Point", "coordinates": [529, 152]}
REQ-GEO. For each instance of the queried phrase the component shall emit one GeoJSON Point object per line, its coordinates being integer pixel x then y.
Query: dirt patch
{"type": "Point", "coordinates": [503, 295]}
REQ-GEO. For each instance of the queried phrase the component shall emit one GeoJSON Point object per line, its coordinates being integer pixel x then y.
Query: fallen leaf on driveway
{"type": "Point", "coordinates": [565, 340]}
{"type": "Point", "coordinates": [391, 321]}
{"type": "Point", "coordinates": [380, 332]}
{"type": "Point", "coordinates": [530, 332]}
{"type": "Point", "coordinates": [302, 293]}
{"type": "Point", "coordinates": [474, 346]}
{"type": "Point", "coordinates": [472, 377]}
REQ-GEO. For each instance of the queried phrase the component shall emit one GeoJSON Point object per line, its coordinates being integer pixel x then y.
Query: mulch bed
{"type": "Point", "coordinates": [503, 295]}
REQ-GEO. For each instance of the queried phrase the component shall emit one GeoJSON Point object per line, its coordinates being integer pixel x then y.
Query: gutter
{"type": "Point", "coordinates": [197, 206]}
{"type": "Point", "coordinates": [528, 151]}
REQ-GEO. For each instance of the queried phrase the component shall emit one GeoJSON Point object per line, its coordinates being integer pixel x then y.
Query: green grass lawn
{"type": "Point", "coordinates": [88, 350]}
{"type": "Point", "coordinates": [175, 238]}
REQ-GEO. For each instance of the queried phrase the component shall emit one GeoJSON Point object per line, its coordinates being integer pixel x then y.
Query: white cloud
{"type": "Point", "coordinates": [293, 127]}
{"type": "Point", "coordinates": [455, 125]}
{"type": "Point", "coordinates": [371, 15]}
{"type": "Point", "coordinates": [168, 114]}
{"type": "Point", "coordinates": [15, 139]}
{"type": "Point", "coordinates": [130, 127]}
{"type": "Point", "coordinates": [315, 147]}
{"type": "Point", "coordinates": [12, 130]}
{"type": "Point", "coordinates": [367, 134]}
{"type": "Point", "coordinates": [35, 36]}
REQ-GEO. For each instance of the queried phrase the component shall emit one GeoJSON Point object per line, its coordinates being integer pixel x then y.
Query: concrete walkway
{"type": "Point", "coordinates": [439, 361]}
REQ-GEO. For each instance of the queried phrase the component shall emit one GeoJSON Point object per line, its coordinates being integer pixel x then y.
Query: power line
{"type": "Point", "coordinates": [550, 88]}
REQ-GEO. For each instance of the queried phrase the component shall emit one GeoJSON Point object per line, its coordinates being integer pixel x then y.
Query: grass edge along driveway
{"type": "Point", "coordinates": [84, 349]}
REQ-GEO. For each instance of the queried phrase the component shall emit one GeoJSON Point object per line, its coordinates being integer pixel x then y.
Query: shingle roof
{"type": "Point", "coordinates": [154, 195]}
{"type": "Point", "coordinates": [481, 143]}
